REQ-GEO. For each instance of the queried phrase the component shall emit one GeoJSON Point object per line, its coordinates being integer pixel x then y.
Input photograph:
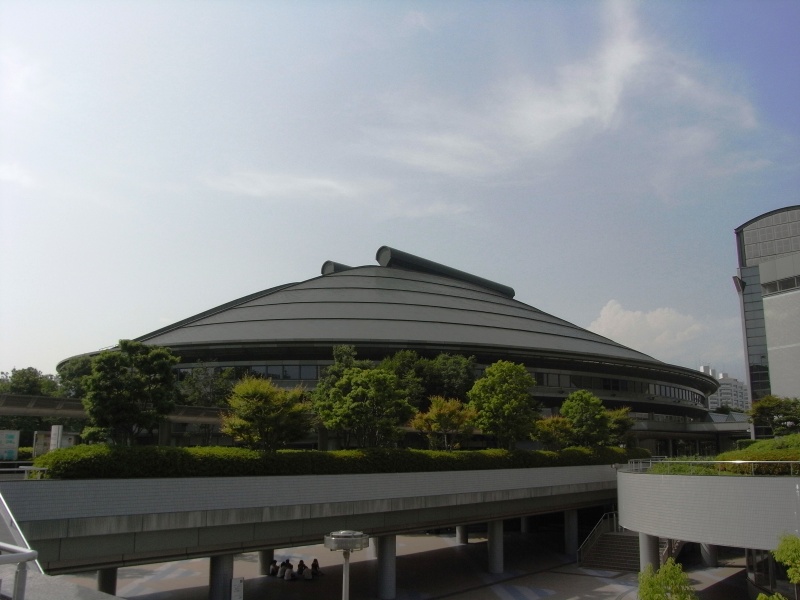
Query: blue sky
{"type": "Point", "coordinates": [160, 158]}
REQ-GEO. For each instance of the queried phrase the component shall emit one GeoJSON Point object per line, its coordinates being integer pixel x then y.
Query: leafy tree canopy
{"type": "Point", "coordinates": [590, 421]}
{"type": "Point", "coordinates": [206, 386]}
{"type": "Point", "coordinates": [788, 554]}
{"type": "Point", "coordinates": [130, 389]}
{"type": "Point", "coordinates": [782, 415]}
{"type": "Point", "coordinates": [264, 416]}
{"type": "Point", "coordinates": [28, 382]}
{"type": "Point", "coordinates": [554, 433]}
{"type": "Point", "coordinates": [668, 583]}
{"type": "Point", "coordinates": [446, 421]}
{"type": "Point", "coordinates": [505, 406]}
{"type": "Point", "coordinates": [73, 376]}
{"type": "Point", "coordinates": [364, 407]}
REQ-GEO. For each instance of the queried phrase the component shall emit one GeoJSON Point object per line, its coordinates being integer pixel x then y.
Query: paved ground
{"type": "Point", "coordinates": [428, 567]}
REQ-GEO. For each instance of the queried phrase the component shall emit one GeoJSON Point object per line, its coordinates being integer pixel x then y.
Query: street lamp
{"type": "Point", "coordinates": [347, 541]}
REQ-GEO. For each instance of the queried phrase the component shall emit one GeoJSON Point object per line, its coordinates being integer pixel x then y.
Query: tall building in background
{"type": "Point", "coordinates": [768, 282]}
{"type": "Point", "coordinates": [731, 392]}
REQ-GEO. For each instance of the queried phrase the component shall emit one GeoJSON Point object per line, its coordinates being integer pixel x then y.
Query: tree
{"type": "Point", "coordinates": [28, 382]}
{"type": "Point", "coordinates": [620, 425]}
{"type": "Point", "coordinates": [409, 369]}
{"type": "Point", "coordinates": [554, 432]}
{"type": "Point", "coordinates": [668, 583]}
{"type": "Point", "coordinates": [364, 407]}
{"type": "Point", "coordinates": [264, 416]}
{"type": "Point", "coordinates": [591, 423]}
{"type": "Point", "coordinates": [788, 554]}
{"type": "Point", "coordinates": [73, 374]}
{"type": "Point", "coordinates": [504, 404]}
{"type": "Point", "coordinates": [130, 390]}
{"type": "Point", "coordinates": [449, 375]}
{"type": "Point", "coordinates": [781, 415]}
{"type": "Point", "coordinates": [445, 422]}
{"type": "Point", "coordinates": [206, 386]}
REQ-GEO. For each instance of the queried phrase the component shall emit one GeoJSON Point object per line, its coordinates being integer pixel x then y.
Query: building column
{"type": "Point", "coordinates": [710, 554]}
{"type": "Point", "coordinates": [265, 557]}
{"type": "Point", "coordinates": [462, 535]}
{"type": "Point", "coordinates": [495, 533]}
{"type": "Point", "coordinates": [571, 533]}
{"type": "Point", "coordinates": [107, 581]}
{"type": "Point", "coordinates": [387, 567]}
{"type": "Point", "coordinates": [525, 525]}
{"type": "Point", "coordinates": [219, 577]}
{"type": "Point", "coordinates": [648, 551]}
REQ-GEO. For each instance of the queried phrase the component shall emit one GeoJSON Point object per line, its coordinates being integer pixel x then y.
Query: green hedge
{"type": "Point", "coordinates": [99, 461]}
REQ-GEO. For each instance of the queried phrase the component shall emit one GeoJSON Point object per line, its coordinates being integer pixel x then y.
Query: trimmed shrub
{"type": "Point", "coordinates": [99, 461]}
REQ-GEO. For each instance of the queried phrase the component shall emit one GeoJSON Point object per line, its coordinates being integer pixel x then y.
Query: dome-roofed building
{"type": "Point", "coordinates": [406, 302]}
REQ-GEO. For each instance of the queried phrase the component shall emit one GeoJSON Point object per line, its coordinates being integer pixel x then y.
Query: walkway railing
{"type": "Point", "coordinates": [608, 523]}
{"type": "Point", "coordinates": [20, 556]}
{"type": "Point", "coordinates": [750, 468]}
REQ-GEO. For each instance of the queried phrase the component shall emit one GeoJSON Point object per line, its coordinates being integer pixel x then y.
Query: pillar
{"type": "Point", "coordinates": [524, 525]}
{"type": "Point", "coordinates": [265, 557]}
{"type": "Point", "coordinates": [710, 554]}
{"type": "Point", "coordinates": [462, 536]}
{"type": "Point", "coordinates": [495, 532]}
{"type": "Point", "coordinates": [219, 577]}
{"type": "Point", "coordinates": [387, 569]}
{"type": "Point", "coordinates": [571, 533]}
{"type": "Point", "coordinates": [648, 551]}
{"type": "Point", "coordinates": [107, 581]}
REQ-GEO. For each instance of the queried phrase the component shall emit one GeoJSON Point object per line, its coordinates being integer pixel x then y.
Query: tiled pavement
{"type": "Point", "coordinates": [428, 567]}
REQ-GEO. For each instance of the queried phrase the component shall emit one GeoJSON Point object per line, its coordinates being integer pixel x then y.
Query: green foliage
{"type": "Point", "coordinates": [620, 426]}
{"type": "Point", "coordinates": [28, 382]}
{"type": "Point", "coordinates": [504, 403]}
{"type": "Point", "coordinates": [102, 461]}
{"type": "Point", "coordinates": [408, 368]}
{"type": "Point", "coordinates": [786, 448]}
{"type": "Point", "coordinates": [445, 423]}
{"type": "Point", "coordinates": [364, 407]}
{"type": "Point", "coordinates": [25, 453]}
{"type": "Point", "coordinates": [130, 390]}
{"type": "Point", "coordinates": [668, 583]}
{"type": "Point", "coordinates": [776, 596]}
{"type": "Point", "coordinates": [446, 375]}
{"type": "Point", "coordinates": [554, 433]}
{"type": "Point", "coordinates": [591, 423]}
{"type": "Point", "coordinates": [73, 375]}
{"type": "Point", "coordinates": [781, 415]}
{"type": "Point", "coordinates": [746, 443]}
{"type": "Point", "coordinates": [788, 553]}
{"type": "Point", "coordinates": [264, 416]}
{"type": "Point", "coordinates": [206, 386]}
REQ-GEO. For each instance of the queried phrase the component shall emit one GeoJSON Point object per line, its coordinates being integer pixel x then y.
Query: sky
{"type": "Point", "coordinates": [158, 159]}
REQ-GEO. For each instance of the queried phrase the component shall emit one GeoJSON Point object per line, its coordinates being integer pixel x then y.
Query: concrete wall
{"type": "Point", "coordinates": [77, 525]}
{"type": "Point", "coordinates": [743, 512]}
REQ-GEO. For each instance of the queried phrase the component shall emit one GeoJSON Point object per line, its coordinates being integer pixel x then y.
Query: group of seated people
{"type": "Point", "coordinates": [287, 572]}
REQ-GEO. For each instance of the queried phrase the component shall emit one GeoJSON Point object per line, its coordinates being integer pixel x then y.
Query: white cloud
{"type": "Point", "coordinates": [672, 337]}
{"type": "Point", "coordinates": [281, 187]}
{"type": "Point", "coordinates": [17, 175]}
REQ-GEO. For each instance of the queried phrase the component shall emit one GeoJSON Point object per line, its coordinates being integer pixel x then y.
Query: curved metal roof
{"type": "Point", "coordinates": [410, 301]}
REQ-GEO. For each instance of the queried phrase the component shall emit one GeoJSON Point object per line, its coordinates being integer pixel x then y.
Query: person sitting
{"type": "Point", "coordinates": [289, 573]}
{"type": "Point", "coordinates": [273, 569]}
{"type": "Point", "coordinates": [315, 570]}
{"type": "Point", "coordinates": [301, 566]}
{"type": "Point", "coordinates": [282, 569]}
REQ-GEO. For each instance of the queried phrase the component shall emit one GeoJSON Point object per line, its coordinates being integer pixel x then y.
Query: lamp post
{"type": "Point", "coordinates": [347, 541]}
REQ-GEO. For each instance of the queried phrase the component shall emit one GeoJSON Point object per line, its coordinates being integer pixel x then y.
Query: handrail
{"type": "Point", "coordinates": [20, 556]}
{"type": "Point", "coordinates": [600, 528]}
{"type": "Point", "coordinates": [644, 465]}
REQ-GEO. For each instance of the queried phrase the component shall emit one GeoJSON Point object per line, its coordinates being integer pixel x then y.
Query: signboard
{"type": "Point", "coordinates": [9, 444]}
{"type": "Point", "coordinates": [237, 588]}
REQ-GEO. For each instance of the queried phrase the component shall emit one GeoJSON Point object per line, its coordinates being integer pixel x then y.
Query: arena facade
{"type": "Point", "coordinates": [288, 333]}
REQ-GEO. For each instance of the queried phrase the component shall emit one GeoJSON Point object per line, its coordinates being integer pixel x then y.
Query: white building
{"type": "Point", "coordinates": [731, 392]}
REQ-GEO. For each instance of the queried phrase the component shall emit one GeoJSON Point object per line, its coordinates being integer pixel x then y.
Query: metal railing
{"type": "Point", "coordinates": [750, 468]}
{"type": "Point", "coordinates": [20, 556]}
{"type": "Point", "coordinates": [608, 523]}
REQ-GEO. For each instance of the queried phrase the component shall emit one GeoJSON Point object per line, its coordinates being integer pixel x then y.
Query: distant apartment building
{"type": "Point", "coordinates": [731, 392]}
{"type": "Point", "coordinates": [768, 283]}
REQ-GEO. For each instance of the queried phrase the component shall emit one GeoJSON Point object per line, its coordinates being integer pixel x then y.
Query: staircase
{"type": "Point", "coordinates": [613, 551]}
